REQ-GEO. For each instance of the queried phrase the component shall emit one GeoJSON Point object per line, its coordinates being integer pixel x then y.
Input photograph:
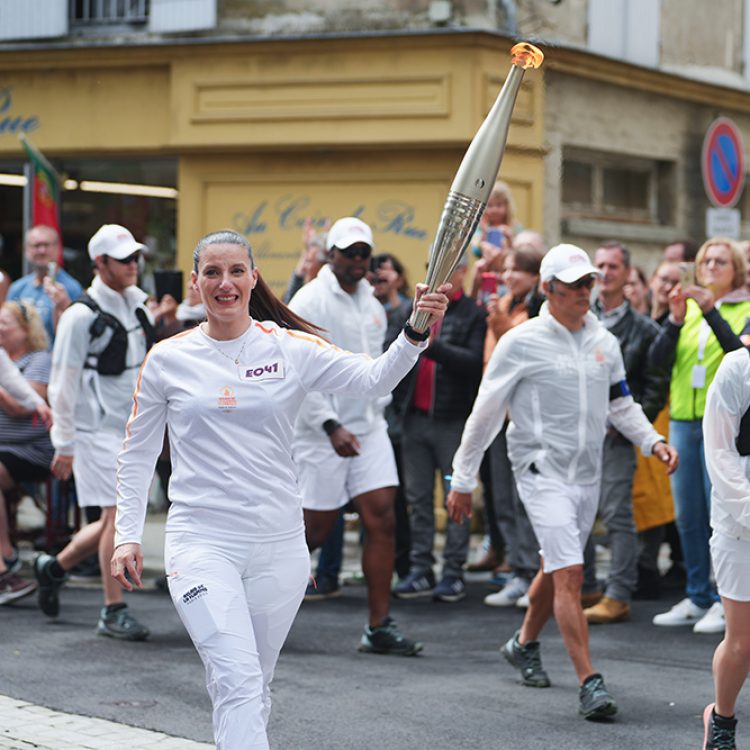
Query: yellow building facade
{"type": "Point", "coordinates": [268, 133]}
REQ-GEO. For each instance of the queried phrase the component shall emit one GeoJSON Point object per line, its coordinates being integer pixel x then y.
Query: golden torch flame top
{"type": "Point", "coordinates": [526, 55]}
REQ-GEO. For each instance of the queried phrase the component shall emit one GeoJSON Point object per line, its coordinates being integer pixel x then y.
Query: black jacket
{"type": "Point", "coordinates": [649, 384]}
{"type": "Point", "coordinates": [457, 352]}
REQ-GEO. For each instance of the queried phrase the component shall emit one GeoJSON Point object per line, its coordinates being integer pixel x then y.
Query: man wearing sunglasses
{"type": "Point", "coordinates": [101, 343]}
{"type": "Point", "coordinates": [560, 378]}
{"type": "Point", "coordinates": [341, 445]}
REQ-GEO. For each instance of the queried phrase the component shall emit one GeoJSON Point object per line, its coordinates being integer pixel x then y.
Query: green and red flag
{"type": "Point", "coordinates": [44, 191]}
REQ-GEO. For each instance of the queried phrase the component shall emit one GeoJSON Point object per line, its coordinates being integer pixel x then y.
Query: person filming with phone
{"type": "Point", "coordinates": [707, 319]}
{"type": "Point", "coordinates": [49, 288]}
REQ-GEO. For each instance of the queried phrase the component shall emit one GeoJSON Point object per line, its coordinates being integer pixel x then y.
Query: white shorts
{"type": "Point", "coordinates": [562, 516]}
{"type": "Point", "coordinates": [731, 559]}
{"type": "Point", "coordinates": [328, 481]}
{"type": "Point", "coordinates": [95, 467]}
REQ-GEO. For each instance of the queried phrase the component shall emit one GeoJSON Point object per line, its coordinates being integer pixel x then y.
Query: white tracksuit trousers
{"type": "Point", "coordinates": [238, 602]}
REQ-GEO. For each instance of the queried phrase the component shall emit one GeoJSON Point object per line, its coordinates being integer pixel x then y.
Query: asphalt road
{"type": "Point", "coordinates": [327, 696]}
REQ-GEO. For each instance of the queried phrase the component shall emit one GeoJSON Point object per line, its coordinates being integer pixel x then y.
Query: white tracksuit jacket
{"type": "Point", "coordinates": [356, 322]}
{"type": "Point", "coordinates": [81, 399]}
{"type": "Point", "coordinates": [727, 401]}
{"type": "Point", "coordinates": [557, 393]}
{"type": "Point", "coordinates": [230, 426]}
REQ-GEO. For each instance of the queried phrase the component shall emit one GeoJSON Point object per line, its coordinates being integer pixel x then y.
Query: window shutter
{"type": "Point", "coordinates": [182, 15]}
{"type": "Point", "coordinates": [33, 19]}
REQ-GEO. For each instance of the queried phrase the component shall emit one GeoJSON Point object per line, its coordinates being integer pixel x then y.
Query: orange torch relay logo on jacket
{"type": "Point", "coordinates": [227, 399]}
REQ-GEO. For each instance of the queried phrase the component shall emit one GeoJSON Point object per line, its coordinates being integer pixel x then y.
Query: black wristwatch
{"type": "Point", "coordinates": [330, 426]}
{"type": "Point", "coordinates": [416, 335]}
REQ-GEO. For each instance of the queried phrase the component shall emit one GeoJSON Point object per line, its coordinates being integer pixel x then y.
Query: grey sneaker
{"type": "Point", "coordinates": [386, 639]}
{"type": "Point", "coordinates": [121, 624]}
{"type": "Point", "coordinates": [528, 660]}
{"type": "Point", "coordinates": [595, 701]}
{"type": "Point", "coordinates": [48, 585]}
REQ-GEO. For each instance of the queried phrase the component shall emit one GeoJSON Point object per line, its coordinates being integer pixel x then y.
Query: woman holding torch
{"type": "Point", "coordinates": [229, 391]}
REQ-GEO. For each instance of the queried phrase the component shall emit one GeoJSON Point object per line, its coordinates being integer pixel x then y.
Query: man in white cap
{"type": "Point", "coordinates": [341, 445]}
{"type": "Point", "coordinates": [559, 377]}
{"type": "Point", "coordinates": [101, 343]}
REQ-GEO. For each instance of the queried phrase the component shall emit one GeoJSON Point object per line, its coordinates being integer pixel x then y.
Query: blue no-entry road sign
{"type": "Point", "coordinates": [723, 163]}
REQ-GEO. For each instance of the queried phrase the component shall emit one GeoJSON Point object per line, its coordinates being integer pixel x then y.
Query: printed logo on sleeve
{"type": "Point", "coordinates": [272, 371]}
{"type": "Point", "coordinates": [227, 399]}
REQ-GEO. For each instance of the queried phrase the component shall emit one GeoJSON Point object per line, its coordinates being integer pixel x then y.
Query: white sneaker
{"type": "Point", "coordinates": [712, 621]}
{"type": "Point", "coordinates": [523, 602]}
{"type": "Point", "coordinates": [509, 594]}
{"type": "Point", "coordinates": [683, 613]}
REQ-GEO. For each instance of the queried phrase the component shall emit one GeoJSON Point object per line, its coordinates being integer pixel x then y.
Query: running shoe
{"type": "Point", "coordinates": [13, 587]}
{"type": "Point", "coordinates": [717, 737]}
{"type": "Point", "coordinates": [527, 659]}
{"type": "Point", "coordinates": [48, 585]}
{"type": "Point", "coordinates": [713, 621]}
{"type": "Point", "coordinates": [415, 585]}
{"type": "Point", "coordinates": [121, 624]}
{"type": "Point", "coordinates": [683, 613]}
{"type": "Point", "coordinates": [595, 701]}
{"type": "Point", "coordinates": [322, 588]}
{"type": "Point", "coordinates": [509, 594]}
{"type": "Point", "coordinates": [450, 589]}
{"type": "Point", "coordinates": [386, 639]}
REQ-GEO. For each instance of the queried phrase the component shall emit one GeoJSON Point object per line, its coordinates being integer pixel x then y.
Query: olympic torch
{"type": "Point", "coordinates": [475, 178]}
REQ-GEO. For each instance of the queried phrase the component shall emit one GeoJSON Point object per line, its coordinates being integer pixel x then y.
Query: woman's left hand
{"type": "Point", "coordinates": [127, 557]}
{"type": "Point", "coordinates": [434, 303]}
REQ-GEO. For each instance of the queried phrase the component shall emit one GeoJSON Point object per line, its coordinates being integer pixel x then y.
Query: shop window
{"type": "Point", "coordinates": [607, 186]}
{"type": "Point", "coordinates": [94, 12]}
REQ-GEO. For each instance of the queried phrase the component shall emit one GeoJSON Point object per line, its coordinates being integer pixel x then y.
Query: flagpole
{"type": "Point", "coordinates": [28, 171]}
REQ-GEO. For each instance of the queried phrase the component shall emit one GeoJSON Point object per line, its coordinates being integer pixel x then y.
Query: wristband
{"type": "Point", "coordinates": [416, 335]}
{"type": "Point", "coordinates": [330, 426]}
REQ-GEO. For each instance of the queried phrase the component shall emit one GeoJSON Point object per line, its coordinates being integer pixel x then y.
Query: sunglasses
{"type": "Point", "coordinates": [358, 250]}
{"type": "Point", "coordinates": [583, 283]}
{"type": "Point", "coordinates": [133, 258]}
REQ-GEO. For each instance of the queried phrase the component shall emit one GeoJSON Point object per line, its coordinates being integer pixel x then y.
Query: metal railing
{"type": "Point", "coordinates": [98, 12]}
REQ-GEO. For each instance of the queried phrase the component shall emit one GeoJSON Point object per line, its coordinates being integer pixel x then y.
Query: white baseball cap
{"type": "Point", "coordinates": [114, 241]}
{"type": "Point", "coordinates": [568, 263]}
{"type": "Point", "coordinates": [348, 231]}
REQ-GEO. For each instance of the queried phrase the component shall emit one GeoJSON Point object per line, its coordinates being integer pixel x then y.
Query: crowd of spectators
{"type": "Point", "coordinates": [673, 327]}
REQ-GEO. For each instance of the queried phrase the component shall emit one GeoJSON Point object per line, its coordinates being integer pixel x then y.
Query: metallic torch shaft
{"type": "Point", "coordinates": [475, 178]}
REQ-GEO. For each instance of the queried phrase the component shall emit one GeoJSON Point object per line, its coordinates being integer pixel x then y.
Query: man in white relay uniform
{"type": "Point", "coordinates": [341, 443]}
{"type": "Point", "coordinates": [229, 392]}
{"type": "Point", "coordinates": [726, 432]}
{"type": "Point", "coordinates": [560, 377]}
{"type": "Point", "coordinates": [94, 368]}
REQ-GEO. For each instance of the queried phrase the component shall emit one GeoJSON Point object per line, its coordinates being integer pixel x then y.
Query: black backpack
{"type": "Point", "coordinates": [111, 360]}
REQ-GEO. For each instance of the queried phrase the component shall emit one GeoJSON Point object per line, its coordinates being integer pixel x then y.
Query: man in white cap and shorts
{"type": "Point", "coordinates": [560, 378]}
{"type": "Point", "coordinates": [100, 345]}
{"type": "Point", "coordinates": [341, 445]}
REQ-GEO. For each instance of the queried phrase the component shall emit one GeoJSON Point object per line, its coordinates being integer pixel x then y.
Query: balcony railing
{"type": "Point", "coordinates": [99, 12]}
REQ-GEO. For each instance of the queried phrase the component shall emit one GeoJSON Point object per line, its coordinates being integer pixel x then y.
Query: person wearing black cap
{"type": "Point", "coordinates": [101, 342]}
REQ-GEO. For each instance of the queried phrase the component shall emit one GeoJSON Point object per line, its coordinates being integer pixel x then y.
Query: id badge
{"type": "Point", "coordinates": [699, 376]}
